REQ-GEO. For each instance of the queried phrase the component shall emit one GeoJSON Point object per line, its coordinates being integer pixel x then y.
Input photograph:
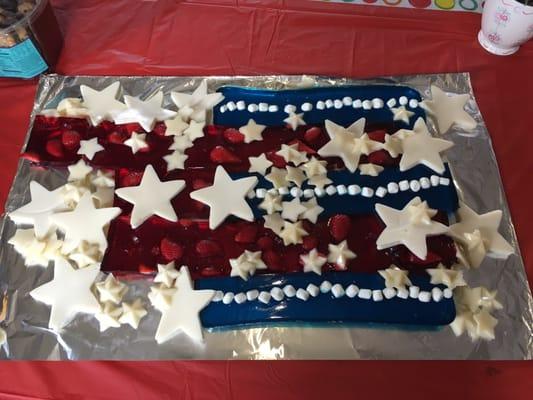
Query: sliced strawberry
{"type": "Point", "coordinates": [185, 222]}
{"type": "Point", "coordinates": [133, 127]}
{"type": "Point", "coordinates": [31, 156]}
{"type": "Point", "coordinates": [208, 248]}
{"type": "Point", "coordinates": [199, 184]}
{"type": "Point", "coordinates": [55, 148]}
{"type": "Point", "coordinates": [309, 242]}
{"type": "Point", "coordinates": [209, 271]}
{"type": "Point", "coordinates": [145, 269]}
{"type": "Point", "coordinates": [214, 130]}
{"type": "Point", "coordinates": [303, 147]}
{"type": "Point", "coordinates": [131, 179]}
{"type": "Point", "coordinates": [160, 128]}
{"type": "Point", "coordinates": [221, 155]}
{"type": "Point", "coordinates": [232, 135]}
{"type": "Point", "coordinates": [272, 260]}
{"type": "Point", "coordinates": [381, 157]}
{"type": "Point", "coordinates": [247, 234]}
{"type": "Point", "coordinates": [378, 136]}
{"type": "Point", "coordinates": [312, 134]}
{"type": "Point", "coordinates": [276, 159]}
{"type": "Point", "coordinates": [265, 243]}
{"type": "Point", "coordinates": [115, 137]}
{"type": "Point", "coordinates": [70, 139]}
{"type": "Point", "coordinates": [170, 250]}
{"type": "Point", "coordinates": [339, 226]}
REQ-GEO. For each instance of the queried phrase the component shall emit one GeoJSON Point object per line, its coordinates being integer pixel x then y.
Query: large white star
{"type": "Point", "coordinates": [448, 110]}
{"type": "Point", "coordinates": [422, 148]}
{"type": "Point", "coordinates": [182, 313]}
{"type": "Point", "coordinates": [409, 226]}
{"type": "Point", "coordinates": [487, 225]}
{"type": "Point", "coordinates": [144, 112]}
{"type": "Point", "coordinates": [348, 143]}
{"type": "Point", "coordinates": [37, 212]}
{"type": "Point", "coordinates": [226, 197]}
{"type": "Point", "coordinates": [194, 106]}
{"type": "Point", "coordinates": [86, 222]}
{"type": "Point", "coordinates": [68, 293]}
{"type": "Point", "coordinates": [103, 104]}
{"type": "Point", "coordinates": [151, 197]}
{"type": "Point", "coordinates": [89, 148]}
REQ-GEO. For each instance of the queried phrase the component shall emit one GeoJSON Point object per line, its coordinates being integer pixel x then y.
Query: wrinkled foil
{"type": "Point", "coordinates": [478, 182]}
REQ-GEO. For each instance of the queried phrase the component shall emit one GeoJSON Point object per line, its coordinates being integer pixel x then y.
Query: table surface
{"type": "Point", "coordinates": [247, 37]}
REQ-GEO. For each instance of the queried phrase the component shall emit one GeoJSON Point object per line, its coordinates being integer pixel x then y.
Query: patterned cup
{"type": "Point", "coordinates": [505, 25]}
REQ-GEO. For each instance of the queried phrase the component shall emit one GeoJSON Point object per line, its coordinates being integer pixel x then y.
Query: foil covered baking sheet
{"type": "Point", "coordinates": [478, 182]}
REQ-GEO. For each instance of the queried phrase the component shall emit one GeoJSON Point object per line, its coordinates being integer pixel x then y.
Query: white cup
{"type": "Point", "coordinates": [505, 25]}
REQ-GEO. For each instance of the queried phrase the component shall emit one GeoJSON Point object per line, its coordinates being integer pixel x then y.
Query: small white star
{"type": "Point", "coordinates": [252, 131]}
{"type": "Point", "coordinates": [402, 114]}
{"type": "Point", "coordinates": [292, 233]}
{"type": "Point", "coordinates": [175, 126]}
{"type": "Point", "coordinates": [393, 144]}
{"type": "Point", "coordinates": [291, 154]}
{"type": "Point", "coordinates": [86, 254]}
{"type": "Point", "coordinates": [132, 313]}
{"type": "Point", "coordinates": [195, 130]}
{"type": "Point", "coordinates": [104, 197]}
{"type": "Point", "coordinates": [137, 141]}
{"type": "Point", "coordinates": [340, 254]}
{"type": "Point", "coordinates": [294, 120]}
{"type": "Point", "coordinates": [246, 264]}
{"type": "Point", "coordinates": [108, 316]}
{"type": "Point", "coordinates": [35, 251]}
{"type": "Point", "coordinates": [78, 171]}
{"type": "Point", "coordinates": [274, 222]}
{"type": "Point", "coordinates": [160, 296]}
{"type": "Point", "coordinates": [292, 209]}
{"type": "Point", "coordinates": [370, 169]}
{"type": "Point", "coordinates": [111, 289]}
{"type": "Point", "coordinates": [271, 203]}
{"type": "Point", "coordinates": [278, 177]}
{"type": "Point", "coordinates": [395, 277]}
{"type": "Point", "coordinates": [175, 160]}
{"type": "Point", "coordinates": [103, 179]}
{"type": "Point", "coordinates": [166, 274]}
{"type": "Point", "coordinates": [313, 210]}
{"type": "Point", "coordinates": [314, 167]}
{"type": "Point", "coordinates": [181, 143]}
{"type": "Point", "coordinates": [89, 148]}
{"type": "Point", "coordinates": [313, 262]}
{"type": "Point", "coordinates": [145, 113]}
{"type": "Point", "coordinates": [295, 174]}
{"type": "Point", "coordinates": [448, 277]}
{"type": "Point", "coordinates": [259, 164]}
{"type": "Point", "coordinates": [320, 181]}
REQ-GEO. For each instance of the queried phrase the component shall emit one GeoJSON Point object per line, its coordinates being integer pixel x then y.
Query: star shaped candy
{"type": "Point", "coordinates": [271, 203]}
{"type": "Point", "coordinates": [160, 296]}
{"type": "Point", "coordinates": [320, 181]}
{"type": "Point", "coordinates": [449, 277]}
{"type": "Point", "coordinates": [226, 197]}
{"type": "Point", "coordinates": [86, 222]}
{"type": "Point", "coordinates": [175, 126]}
{"type": "Point", "coordinates": [181, 143]}
{"type": "Point", "coordinates": [401, 114]}
{"type": "Point", "coordinates": [195, 130]}
{"type": "Point", "coordinates": [68, 293]}
{"type": "Point", "coordinates": [132, 313]}
{"type": "Point", "coordinates": [108, 316]}
{"type": "Point", "coordinates": [183, 311]}
{"type": "Point", "coordinates": [278, 177]}
{"type": "Point", "coordinates": [111, 289]}
{"type": "Point", "coordinates": [86, 254]}
{"type": "Point", "coordinates": [340, 254]}
{"type": "Point", "coordinates": [252, 131]}
{"type": "Point", "coordinates": [144, 112]}
{"type": "Point", "coordinates": [89, 148]}
{"type": "Point", "coordinates": [409, 226]}
{"type": "Point", "coordinates": [37, 212]}
{"type": "Point", "coordinates": [487, 226]}
{"type": "Point", "coordinates": [485, 324]}
{"type": "Point", "coordinates": [34, 250]}
{"type": "Point", "coordinates": [370, 169]}
{"type": "Point", "coordinates": [291, 154]}
{"type": "Point", "coordinates": [313, 262]}
{"type": "Point", "coordinates": [292, 209]}
{"type": "Point", "coordinates": [274, 222]}
{"type": "Point", "coordinates": [175, 160]}
{"type": "Point", "coordinates": [194, 106]}
{"type": "Point", "coordinates": [104, 197]}
{"type": "Point", "coordinates": [313, 210]}
{"type": "Point", "coordinates": [292, 233]}
{"type": "Point", "coordinates": [102, 105]}
{"type": "Point", "coordinates": [246, 264]}
{"type": "Point", "coordinates": [393, 144]}
{"type": "Point", "coordinates": [166, 274]}
{"type": "Point", "coordinates": [259, 164]}
{"type": "Point", "coordinates": [294, 120]}
{"type": "Point", "coordinates": [395, 277]}
{"type": "Point", "coordinates": [473, 248]}
{"type": "Point", "coordinates": [78, 171]}
{"type": "Point", "coordinates": [348, 143]}
{"type": "Point", "coordinates": [422, 148]}
{"type": "Point", "coordinates": [151, 197]}
{"type": "Point", "coordinates": [295, 175]}
{"type": "Point", "coordinates": [103, 179]}
{"type": "Point", "coordinates": [448, 110]}
{"type": "Point", "coordinates": [314, 167]}
{"type": "Point", "coordinates": [73, 191]}
{"type": "Point", "coordinates": [137, 141]}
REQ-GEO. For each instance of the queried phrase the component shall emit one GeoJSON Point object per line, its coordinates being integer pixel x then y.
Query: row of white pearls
{"type": "Point", "coordinates": [278, 293]}
{"type": "Point", "coordinates": [414, 185]}
{"type": "Point", "coordinates": [365, 104]}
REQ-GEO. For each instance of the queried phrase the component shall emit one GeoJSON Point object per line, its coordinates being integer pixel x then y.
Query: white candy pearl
{"type": "Point", "coordinates": [391, 102]}
{"type": "Point", "coordinates": [389, 293]}
{"type": "Point", "coordinates": [337, 104]}
{"type": "Point", "coordinates": [289, 108]}
{"type": "Point", "coordinates": [263, 107]}
{"type": "Point", "coordinates": [264, 297]}
{"type": "Point", "coordinates": [296, 192]}
{"type": "Point", "coordinates": [354, 190]}
{"type": "Point", "coordinates": [448, 293]}
{"type": "Point", "coordinates": [283, 190]}
{"type": "Point", "coordinates": [436, 294]}
{"type": "Point", "coordinates": [425, 183]}
{"type": "Point", "coordinates": [347, 101]}
{"type": "Point", "coordinates": [277, 293]}
{"type": "Point", "coordinates": [325, 286]}
{"type": "Point", "coordinates": [289, 291]}
{"type": "Point", "coordinates": [253, 108]}
{"type": "Point", "coordinates": [273, 108]}
{"type": "Point", "coordinates": [231, 106]}
{"type": "Point", "coordinates": [320, 192]}
{"type": "Point", "coordinates": [365, 294]}
{"type": "Point", "coordinates": [377, 295]}
{"type": "Point", "coordinates": [251, 295]}
{"type": "Point", "coordinates": [381, 191]}
{"type": "Point", "coordinates": [337, 290]}
{"type": "Point", "coordinates": [228, 298]}
{"type": "Point", "coordinates": [357, 104]}
{"type": "Point", "coordinates": [392, 187]}
{"type": "Point", "coordinates": [241, 105]}
{"type": "Point", "coordinates": [331, 190]}
{"type": "Point", "coordinates": [413, 292]}
{"type": "Point", "coordinates": [367, 105]}
{"type": "Point", "coordinates": [404, 185]}
{"type": "Point", "coordinates": [403, 100]}
{"type": "Point", "coordinates": [414, 185]}
{"type": "Point", "coordinates": [352, 290]}
{"type": "Point", "coordinates": [240, 298]}
{"type": "Point", "coordinates": [424, 297]}
{"type": "Point", "coordinates": [308, 193]}
{"type": "Point", "coordinates": [413, 103]}
{"type": "Point", "coordinates": [444, 181]}
{"type": "Point", "coordinates": [261, 193]}
{"type": "Point", "coordinates": [307, 107]}
{"type": "Point", "coordinates": [302, 294]}
{"type": "Point", "coordinates": [403, 293]}
{"type": "Point", "coordinates": [367, 192]}
{"type": "Point", "coordinates": [329, 103]}
{"type": "Point", "coordinates": [341, 190]}
{"type": "Point", "coordinates": [218, 296]}
{"type": "Point", "coordinates": [377, 103]}
{"type": "Point", "coordinates": [434, 180]}
{"type": "Point", "coordinates": [313, 290]}
{"type": "Point", "coordinates": [320, 105]}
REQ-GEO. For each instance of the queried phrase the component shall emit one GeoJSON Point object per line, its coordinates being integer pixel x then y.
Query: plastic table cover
{"type": "Point", "coordinates": [171, 37]}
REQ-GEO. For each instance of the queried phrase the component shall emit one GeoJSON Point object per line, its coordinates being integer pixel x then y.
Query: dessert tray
{"type": "Point", "coordinates": [269, 217]}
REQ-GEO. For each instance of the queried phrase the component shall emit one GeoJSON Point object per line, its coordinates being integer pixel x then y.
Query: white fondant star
{"type": "Point", "coordinates": [78, 171]}
{"type": "Point", "coordinates": [111, 289]}
{"type": "Point", "coordinates": [35, 251]}
{"type": "Point", "coordinates": [291, 154]}
{"type": "Point", "coordinates": [102, 104]}
{"type": "Point", "coordinates": [86, 222]}
{"type": "Point", "coordinates": [137, 141]}
{"type": "Point", "coordinates": [312, 211]}
{"type": "Point", "coordinates": [246, 264]}
{"type": "Point", "coordinates": [184, 309]}
{"type": "Point", "coordinates": [166, 274]}
{"type": "Point", "coordinates": [395, 277]}
{"type": "Point", "coordinates": [448, 110]}
{"type": "Point", "coordinates": [292, 209]}
{"type": "Point", "coordinates": [132, 313]}
{"type": "Point", "coordinates": [86, 254]}
{"type": "Point", "coordinates": [348, 143]}
{"type": "Point", "coordinates": [320, 181]}
{"type": "Point", "coordinates": [485, 324]}
{"type": "Point", "coordinates": [370, 169]}
{"type": "Point", "coordinates": [422, 148]}
{"type": "Point", "coordinates": [474, 248]}
{"type": "Point", "coordinates": [37, 212]}
{"type": "Point", "coordinates": [449, 277]}
{"type": "Point", "coordinates": [393, 144]}
{"type": "Point", "coordinates": [292, 233]}
{"type": "Point", "coordinates": [108, 316]}
{"type": "Point", "coordinates": [294, 120]}
{"type": "Point", "coordinates": [274, 222]}
{"type": "Point", "coordinates": [144, 112]}
{"type": "Point", "coordinates": [409, 226]}
{"type": "Point", "coordinates": [181, 143]}
{"type": "Point", "coordinates": [68, 293]}
{"type": "Point", "coordinates": [488, 300]}
{"type": "Point", "coordinates": [278, 177]}
{"type": "Point", "coordinates": [160, 296]}
{"type": "Point", "coordinates": [259, 164]}
{"type": "Point", "coordinates": [175, 160]}
{"type": "Point", "coordinates": [313, 262]}
{"type": "Point", "coordinates": [105, 179]}
{"type": "Point", "coordinates": [195, 130]}
{"type": "Point", "coordinates": [175, 126]}
{"type": "Point", "coordinates": [401, 114]}
{"type": "Point", "coordinates": [226, 197]}
{"type": "Point", "coordinates": [314, 167]}
{"type": "Point", "coordinates": [463, 322]}
{"type": "Point", "coordinates": [151, 197]}
{"type": "Point", "coordinates": [487, 224]}
{"type": "Point", "coordinates": [89, 148]}
{"type": "Point", "coordinates": [73, 192]}
{"type": "Point", "coordinates": [195, 105]}
{"type": "Point", "coordinates": [340, 254]}
{"type": "Point", "coordinates": [295, 174]}
{"type": "Point", "coordinates": [252, 131]}
{"type": "Point", "coordinates": [104, 197]}
{"type": "Point", "coordinates": [271, 203]}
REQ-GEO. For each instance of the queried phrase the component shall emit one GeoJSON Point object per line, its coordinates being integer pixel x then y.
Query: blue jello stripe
{"type": "Point", "coordinates": [325, 307]}
{"type": "Point", "coordinates": [344, 115]}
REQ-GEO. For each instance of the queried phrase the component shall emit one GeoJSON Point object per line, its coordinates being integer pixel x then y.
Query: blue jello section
{"type": "Point", "coordinates": [441, 197]}
{"type": "Point", "coordinates": [325, 307]}
{"type": "Point", "coordinates": [345, 115]}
